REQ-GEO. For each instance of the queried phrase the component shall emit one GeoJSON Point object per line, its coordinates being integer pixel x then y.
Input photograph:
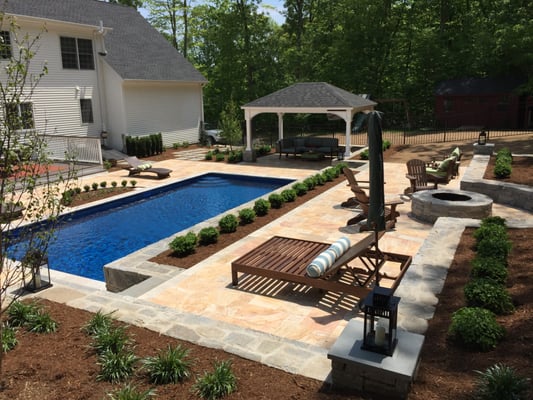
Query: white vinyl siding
{"type": "Point", "coordinates": [169, 108]}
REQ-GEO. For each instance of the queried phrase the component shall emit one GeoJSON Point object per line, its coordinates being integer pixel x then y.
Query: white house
{"type": "Point", "coordinates": [109, 71]}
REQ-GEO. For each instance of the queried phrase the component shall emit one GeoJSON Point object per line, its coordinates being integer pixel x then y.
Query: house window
{"type": "Point", "coordinates": [86, 107]}
{"type": "Point", "coordinates": [77, 53]}
{"type": "Point", "coordinates": [19, 116]}
{"type": "Point", "coordinates": [5, 44]}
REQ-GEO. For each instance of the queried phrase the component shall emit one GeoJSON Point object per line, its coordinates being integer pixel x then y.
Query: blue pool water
{"type": "Point", "coordinates": [89, 239]}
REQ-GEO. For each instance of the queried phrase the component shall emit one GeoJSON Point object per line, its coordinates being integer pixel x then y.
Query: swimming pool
{"type": "Point", "coordinates": [90, 238]}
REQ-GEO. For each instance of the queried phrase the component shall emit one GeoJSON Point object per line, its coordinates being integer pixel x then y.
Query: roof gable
{"type": "Point", "coordinates": [311, 95]}
{"type": "Point", "coordinates": [135, 50]}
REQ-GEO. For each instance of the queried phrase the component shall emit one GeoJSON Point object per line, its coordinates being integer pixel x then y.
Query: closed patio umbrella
{"type": "Point", "coordinates": [376, 212]}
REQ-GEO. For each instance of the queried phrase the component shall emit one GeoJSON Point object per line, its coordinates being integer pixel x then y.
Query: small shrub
{"type": "Point", "coordinates": [235, 157]}
{"type": "Point", "coordinates": [247, 216]}
{"type": "Point", "coordinates": [261, 207]}
{"type": "Point", "coordinates": [185, 144]}
{"type": "Point", "coordinates": [333, 172]}
{"type": "Point", "coordinates": [115, 367]}
{"type": "Point", "coordinates": [263, 150]}
{"type": "Point", "coordinates": [220, 157]}
{"type": "Point", "coordinates": [276, 200]}
{"type": "Point", "coordinates": [19, 313]}
{"type": "Point", "coordinates": [300, 188]}
{"type": "Point", "coordinates": [107, 165]}
{"type": "Point", "coordinates": [340, 166]}
{"type": "Point", "coordinates": [66, 197]}
{"type": "Point", "coordinates": [490, 230]}
{"type": "Point", "coordinates": [216, 384]}
{"type": "Point", "coordinates": [319, 179]}
{"type": "Point", "coordinates": [184, 245]}
{"type": "Point", "coordinates": [86, 188]}
{"type": "Point", "coordinates": [129, 392]}
{"type": "Point", "coordinates": [97, 323]}
{"type": "Point", "coordinates": [133, 182]}
{"type": "Point", "coordinates": [207, 236]}
{"type": "Point", "coordinates": [493, 220]}
{"type": "Point", "coordinates": [487, 294]}
{"type": "Point", "coordinates": [209, 155]}
{"type": "Point", "coordinates": [176, 146]}
{"type": "Point", "coordinates": [475, 328]}
{"type": "Point", "coordinates": [494, 247]}
{"type": "Point", "coordinates": [114, 184]}
{"type": "Point", "coordinates": [228, 223]}
{"type": "Point", "coordinates": [9, 338]}
{"type": "Point", "coordinates": [103, 184]}
{"type": "Point", "coordinates": [124, 183]}
{"type": "Point", "coordinates": [364, 154]}
{"type": "Point", "coordinates": [114, 339]}
{"type": "Point", "coordinates": [502, 169]}
{"type": "Point", "coordinates": [289, 195]}
{"type": "Point", "coordinates": [489, 268]}
{"type": "Point", "coordinates": [41, 322]}
{"type": "Point", "coordinates": [500, 382]}
{"type": "Point", "coordinates": [310, 183]}
{"type": "Point", "coordinates": [77, 190]}
{"type": "Point", "coordinates": [94, 185]}
{"type": "Point", "coordinates": [386, 144]}
{"type": "Point", "coordinates": [170, 366]}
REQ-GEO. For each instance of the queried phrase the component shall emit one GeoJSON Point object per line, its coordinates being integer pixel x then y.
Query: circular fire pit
{"type": "Point", "coordinates": [428, 205]}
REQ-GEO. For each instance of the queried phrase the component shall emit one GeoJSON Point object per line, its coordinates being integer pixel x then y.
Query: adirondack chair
{"type": "Point", "coordinates": [354, 186]}
{"type": "Point", "coordinates": [418, 177]}
{"type": "Point", "coordinates": [391, 214]}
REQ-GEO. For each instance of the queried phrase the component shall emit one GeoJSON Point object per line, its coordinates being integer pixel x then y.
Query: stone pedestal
{"type": "Point", "coordinates": [373, 373]}
{"type": "Point", "coordinates": [484, 149]}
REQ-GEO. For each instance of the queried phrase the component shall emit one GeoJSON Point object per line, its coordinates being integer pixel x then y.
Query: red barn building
{"type": "Point", "coordinates": [489, 103]}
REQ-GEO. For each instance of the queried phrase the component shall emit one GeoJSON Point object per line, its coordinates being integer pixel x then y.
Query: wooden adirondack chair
{"type": "Point", "coordinates": [354, 187]}
{"type": "Point", "coordinates": [418, 177]}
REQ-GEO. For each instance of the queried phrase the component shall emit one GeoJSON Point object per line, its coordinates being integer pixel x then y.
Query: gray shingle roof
{"type": "Point", "coordinates": [311, 95]}
{"type": "Point", "coordinates": [135, 49]}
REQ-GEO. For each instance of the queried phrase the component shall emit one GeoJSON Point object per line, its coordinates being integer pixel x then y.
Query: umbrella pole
{"type": "Point", "coordinates": [377, 262]}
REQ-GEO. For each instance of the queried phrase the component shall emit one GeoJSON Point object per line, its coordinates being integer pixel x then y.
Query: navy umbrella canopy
{"type": "Point", "coordinates": [376, 212]}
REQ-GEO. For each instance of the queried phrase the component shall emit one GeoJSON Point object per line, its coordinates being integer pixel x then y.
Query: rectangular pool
{"type": "Point", "coordinates": [90, 238]}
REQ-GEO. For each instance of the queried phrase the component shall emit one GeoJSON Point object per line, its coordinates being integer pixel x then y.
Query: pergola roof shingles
{"type": "Point", "coordinates": [309, 95]}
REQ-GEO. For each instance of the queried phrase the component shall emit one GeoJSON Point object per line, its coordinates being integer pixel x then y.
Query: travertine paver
{"type": "Point", "coordinates": [280, 325]}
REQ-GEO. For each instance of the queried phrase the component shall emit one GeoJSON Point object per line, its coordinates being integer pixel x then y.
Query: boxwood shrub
{"type": "Point", "coordinates": [494, 247]}
{"type": "Point", "coordinates": [482, 292]}
{"type": "Point", "coordinates": [300, 188]}
{"type": "Point", "coordinates": [276, 200]}
{"type": "Point", "coordinates": [310, 183]}
{"type": "Point", "coordinates": [289, 195]}
{"type": "Point", "coordinates": [184, 245]}
{"type": "Point", "coordinates": [247, 216]}
{"type": "Point", "coordinates": [489, 268]}
{"type": "Point", "coordinates": [228, 223]}
{"type": "Point", "coordinates": [319, 179]}
{"type": "Point", "coordinates": [475, 328]}
{"type": "Point", "coordinates": [208, 235]}
{"type": "Point", "coordinates": [261, 207]}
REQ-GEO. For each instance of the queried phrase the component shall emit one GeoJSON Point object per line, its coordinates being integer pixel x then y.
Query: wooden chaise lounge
{"type": "Point", "coordinates": [287, 259]}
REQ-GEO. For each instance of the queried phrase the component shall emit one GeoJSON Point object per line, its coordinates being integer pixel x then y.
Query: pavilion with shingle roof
{"type": "Point", "coordinates": [307, 98]}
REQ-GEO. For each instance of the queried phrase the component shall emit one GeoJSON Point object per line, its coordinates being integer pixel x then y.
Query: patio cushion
{"type": "Point", "coordinates": [144, 166]}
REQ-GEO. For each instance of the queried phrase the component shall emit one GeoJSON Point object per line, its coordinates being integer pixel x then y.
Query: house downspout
{"type": "Point", "coordinates": [100, 33]}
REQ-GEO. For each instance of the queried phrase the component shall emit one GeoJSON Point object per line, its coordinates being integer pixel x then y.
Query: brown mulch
{"type": "Point", "coordinates": [521, 168]}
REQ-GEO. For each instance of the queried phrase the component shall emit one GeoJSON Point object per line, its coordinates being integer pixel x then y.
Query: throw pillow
{"type": "Point", "coordinates": [443, 167]}
{"type": "Point", "coordinates": [340, 246]}
{"type": "Point", "coordinates": [144, 166]}
{"type": "Point", "coordinates": [320, 264]}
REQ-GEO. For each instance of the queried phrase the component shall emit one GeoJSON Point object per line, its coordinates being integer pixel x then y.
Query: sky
{"type": "Point", "coordinates": [271, 7]}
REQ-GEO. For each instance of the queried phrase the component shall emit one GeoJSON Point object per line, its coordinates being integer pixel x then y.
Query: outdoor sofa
{"type": "Point", "coordinates": [308, 144]}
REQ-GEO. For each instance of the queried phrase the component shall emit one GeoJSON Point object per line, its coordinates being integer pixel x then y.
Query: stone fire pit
{"type": "Point", "coordinates": [428, 205]}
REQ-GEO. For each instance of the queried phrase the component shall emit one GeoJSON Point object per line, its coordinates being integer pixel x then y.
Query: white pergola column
{"type": "Point", "coordinates": [348, 145]}
{"type": "Point", "coordinates": [280, 125]}
{"type": "Point", "coordinates": [248, 154]}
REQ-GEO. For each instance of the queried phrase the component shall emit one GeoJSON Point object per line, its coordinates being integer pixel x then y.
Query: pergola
{"type": "Point", "coordinates": [307, 98]}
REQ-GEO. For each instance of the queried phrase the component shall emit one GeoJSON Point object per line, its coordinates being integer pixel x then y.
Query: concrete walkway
{"type": "Point", "coordinates": [282, 325]}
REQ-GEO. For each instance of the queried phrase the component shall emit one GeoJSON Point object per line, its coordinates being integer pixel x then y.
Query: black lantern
{"type": "Point", "coordinates": [482, 139]}
{"type": "Point", "coordinates": [340, 154]}
{"type": "Point", "coordinates": [35, 271]}
{"type": "Point", "coordinates": [381, 318]}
